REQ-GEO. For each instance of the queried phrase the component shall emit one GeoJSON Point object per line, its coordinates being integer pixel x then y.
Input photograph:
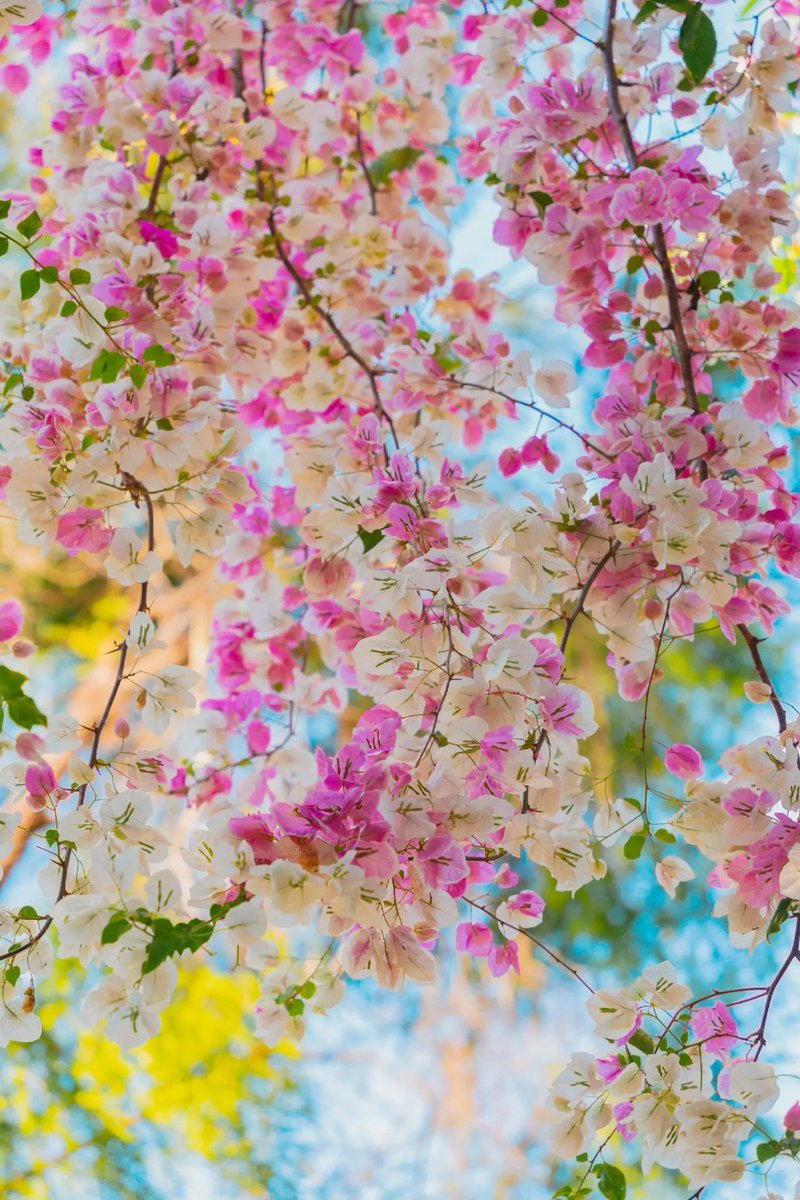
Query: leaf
{"type": "Point", "coordinates": [780, 915]}
{"type": "Point", "coordinates": [117, 925]}
{"type": "Point", "coordinates": [28, 913]}
{"type": "Point", "coordinates": [697, 42]}
{"type": "Point", "coordinates": [25, 712]}
{"type": "Point", "coordinates": [708, 280]}
{"type": "Point", "coordinates": [11, 683]}
{"type": "Point", "coordinates": [48, 275]}
{"type": "Point", "coordinates": [767, 1150]}
{"type": "Point", "coordinates": [107, 366]}
{"type": "Point", "coordinates": [3, 246]}
{"type": "Point", "coordinates": [29, 226]}
{"type": "Point", "coordinates": [68, 308]}
{"type": "Point", "coordinates": [158, 356]}
{"type": "Point", "coordinates": [5, 209]}
{"type": "Point", "coordinates": [642, 1041]}
{"type": "Point", "coordinates": [370, 537]}
{"type": "Point", "coordinates": [78, 275]}
{"type": "Point", "coordinates": [29, 283]}
{"type": "Point", "coordinates": [634, 846]}
{"type": "Point", "coordinates": [12, 974]}
{"type": "Point", "coordinates": [113, 313]}
{"type": "Point", "coordinates": [634, 263]}
{"type": "Point", "coordinates": [391, 162]}
{"type": "Point", "coordinates": [611, 1181]}
{"type": "Point", "coordinates": [138, 374]}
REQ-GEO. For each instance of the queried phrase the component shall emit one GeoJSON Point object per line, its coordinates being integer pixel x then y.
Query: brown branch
{"type": "Point", "coordinates": [763, 674]}
{"type": "Point", "coordinates": [661, 252]}
{"type": "Point", "coordinates": [584, 592]}
{"type": "Point", "coordinates": [759, 1037]}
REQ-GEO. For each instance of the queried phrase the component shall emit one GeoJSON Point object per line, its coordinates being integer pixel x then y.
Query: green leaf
{"type": "Point", "coordinates": [158, 356]}
{"type": "Point", "coordinates": [48, 275]}
{"type": "Point", "coordinates": [370, 537]}
{"type": "Point", "coordinates": [107, 366]}
{"type": "Point", "coordinates": [68, 308]}
{"type": "Point", "coordinates": [391, 162]}
{"type": "Point", "coordinates": [697, 42]}
{"type": "Point", "coordinates": [78, 275]}
{"type": "Point", "coordinates": [29, 283]}
{"type": "Point", "coordinates": [634, 264]}
{"type": "Point", "coordinates": [138, 374]}
{"type": "Point", "coordinates": [780, 915]}
{"type": "Point", "coordinates": [542, 200]}
{"type": "Point", "coordinates": [117, 925]}
{"type": "Point", "coordinates": [5, 209]}
{"type": "Point", "coordinates": [12, 974]}
{"type": "Point", "coordinates": [708, 280]}
{"type": "Point", "coordinates": [28, 913]}
{"type": "Point", "coordinates": [11, 683]}
{"type": "Point", "coordinates": [308, 989]}
{"type": "Point", "coordinates": [634, 846]}
{"type": "Point", "coordinates": [3, 246]}
{"type": "Point", "coordinates": [295, 1007]}
{"type": "Point", "coordinates": [113, 313]}
{"type": "Point", "coordinates": [539, 18]}
{"type": "Point", "coordinates": [51, 837]}
{"type": "Point", "coordinates": [648, 8]}
{"type": "Point", "coordinates": [610, 1181]}
{"type": "Point", "coordinates": [642, 1041]}
{"type": "Point", "coordinates": [767, 1150]}
{"type": "Point", "coordinates": [29, 226]}
{"type": "Point", "coordinates": [164, 423]}
{"type": "Point", "coordinates": [25, 712]}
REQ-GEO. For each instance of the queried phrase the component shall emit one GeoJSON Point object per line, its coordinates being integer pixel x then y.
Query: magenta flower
{"type": "Point", "coordinates": [83, 529]}
{"type": "Point", "coordinates": [683, 761]}
{"type": "Point", "coordinates": [474, 938]}
{"type": "Point", "coordinates": [791, 1118]}
{"type": "Point", "coordinates": [10, 620]}
{"type": "Point", "coordinates": [504, 958]}
{"type": "Point", "coordinates": [715, 1027]}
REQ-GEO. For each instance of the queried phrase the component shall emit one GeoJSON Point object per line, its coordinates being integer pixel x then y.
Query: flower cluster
{"type": "Point", "coordinates": [234, 252]}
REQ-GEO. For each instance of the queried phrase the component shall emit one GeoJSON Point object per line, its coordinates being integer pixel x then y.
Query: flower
{"type": "Point", "coordinates": [683, 762]}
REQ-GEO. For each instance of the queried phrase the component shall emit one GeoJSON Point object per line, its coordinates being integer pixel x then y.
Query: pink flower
{"type": "Point", "coordinates": [40, 782]}
{"type": "Point", "coordinates": [10, 620]}
{"type": "Point", "coordinates": [715, 1027]}
{"type": "Point", "coordinates": [791, 1119]}
{"type": "Point", "coordinates": [683, 761]}
{"type": "Point", "coordinates": [164, 241]}
{"type": "Point", "coordinates": [640, 200]}
{"type": "Point", "coordinates": [83, 529]}
{"type": "Point", "coordinates": [509, 462]}
{"type": "Point", "coordinates": [474, 938]}
{"type": "Point", "coordinates": [528, 905]}
{"type": "Point", "coordinates": [504, 958]}
{"type": "Point", "coordinates": [15, 77]}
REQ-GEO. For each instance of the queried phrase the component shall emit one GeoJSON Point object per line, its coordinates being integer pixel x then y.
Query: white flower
{"type": "Point", "coordinates": [553, 381]}
{"type": "Point", "coordinates": [141, 633]}
{"type": "Point", "coordinates": [751, 1084]}
{"type": "Point", "coordinates": [614, 1013]}
{"type": "Point", "coordinates": [671, 872]}
{"type": "Point", "coordinates": [80, 920]}
{"type": "Point", "coordinates": [165, 694]}
{"type": "Point", "coordinates": [128, 560]}
{"type": "Point", "coordinates": [16, 1025]}
{"type": "Point", "coordinates": [18, 12]}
